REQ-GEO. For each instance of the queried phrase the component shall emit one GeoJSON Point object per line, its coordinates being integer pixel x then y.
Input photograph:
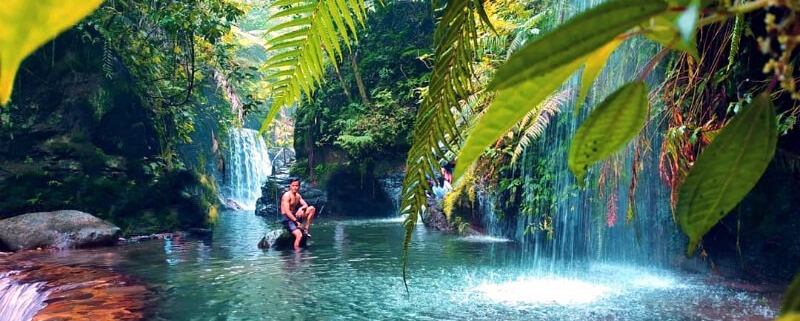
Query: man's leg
{"type": "Point", "coordinates": [298, 235]}
{"type": "Point", "coordinates": [310, 212]}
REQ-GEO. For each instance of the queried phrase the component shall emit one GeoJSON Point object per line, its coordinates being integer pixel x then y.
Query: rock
{"type": "Point", "coordinates": [233, 205]}
{"type": "Point", "coordinates": [59, 229]}
{"type": "Point", "coordinates": [435, 218]}
{"type": "Point", "coordinates": [280, 238]}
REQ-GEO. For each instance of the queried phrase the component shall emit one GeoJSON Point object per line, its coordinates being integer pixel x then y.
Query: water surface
{"type": "Point", "coordinates": [352, 271]}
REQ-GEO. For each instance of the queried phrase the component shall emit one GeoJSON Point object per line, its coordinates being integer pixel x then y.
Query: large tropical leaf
{"type": "Point", "coordinates": [790, 311]}
{"type": "Point", "coordinates": [609, 127]}
{"type": "Point", "coordinates": [575, 39]}
{"type": "Point", "coordinates": [534, 123]}
{"type": "Point", "coordinates": [727, 169]}
{"type": "Point", "coordinates": [594, 64]}
{"type": "Point", "coordinates": [509, 106]}
{"type": "Point", "coordinates": [548, 61]}
{"type": "Point", "coordinates": [25, 25]}
{"type": "Point", "coordinates": [666, 30]}
{"type": "Point", "coordinates": [455, 41]}
{"type": "Point", "coordinates": [307, 34]}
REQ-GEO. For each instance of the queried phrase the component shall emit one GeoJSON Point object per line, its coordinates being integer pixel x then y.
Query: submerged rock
{"type": "Point", "coordinates": [280, 239]}
{"type": "Point", "coordinates": [59, 229]}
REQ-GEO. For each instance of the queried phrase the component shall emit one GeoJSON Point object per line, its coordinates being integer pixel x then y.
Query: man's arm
{"type": "Point", "coordinates": [303, 204]}
{"type": "Point", "coordinates": [285, 207]}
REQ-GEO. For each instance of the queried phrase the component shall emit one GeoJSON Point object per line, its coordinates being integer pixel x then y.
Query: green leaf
{"type": "Point", "coordinates": [736, 37]}
{"type": "Point", "coordinates": [791, 302]}
{"type": "Point", "coordinates": [311, 41]}
{"type": "Point", "coordinates": [576, 38]}
{"type": "Point", "coordinates": [685, 3]}
{"type": "Point", "coordinates": [594, 64]}
{"type": "Point", "coordinates": [664, 31]}
{"type": "Point", "coordinates": [609, 127]}
{"type": "Point", "coordinates": [727, 169]}
{"type": "Point", "coordinates": [687, 21]}
{"type": "Point", "coordinates": [26, 25]}
{"type": "Point", "coordinates": [296, 22]}
{"type": "Point", "coordinates": [510, 105]}
{"type": "Point", "coordinates": [307, 8]}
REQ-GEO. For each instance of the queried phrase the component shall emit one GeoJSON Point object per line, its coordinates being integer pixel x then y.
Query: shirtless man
{"type": "Point", "coordinates": [296, 211]}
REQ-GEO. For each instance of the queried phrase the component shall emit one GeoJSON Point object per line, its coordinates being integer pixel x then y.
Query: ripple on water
{"type": "Point", "coordinates": [353, 272]}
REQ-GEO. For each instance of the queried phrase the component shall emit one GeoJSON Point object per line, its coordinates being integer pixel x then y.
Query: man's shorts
{"type": "Point", "coordinates": [290, 225]}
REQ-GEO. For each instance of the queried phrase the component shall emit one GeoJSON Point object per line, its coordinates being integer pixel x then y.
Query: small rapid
{"type": "Point", "coordinates": [20, 301]}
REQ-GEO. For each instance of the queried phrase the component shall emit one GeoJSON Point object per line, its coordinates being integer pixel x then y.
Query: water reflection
{"type": "Point", "coordinates": [176, 247]}
{"type": "Point", "coordinates": [353, 272]}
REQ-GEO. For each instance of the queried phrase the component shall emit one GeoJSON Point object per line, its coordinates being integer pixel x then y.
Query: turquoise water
{"type": "Point", "coordinates": [352, 271]}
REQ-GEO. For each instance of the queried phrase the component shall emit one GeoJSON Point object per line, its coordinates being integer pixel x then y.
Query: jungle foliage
{"type": "Point", "coordinates": [536, 71]}
{"type": "Point", "coordinates": [366, 107]}
{"type": "Point", "coordinates": [99, 114]}
{"type": "Point", "coordinates": [474, 99]}
{"type": "Point", "coordinates": [304, 34]}
{"type": "Point", "coordinates": [736, 158]}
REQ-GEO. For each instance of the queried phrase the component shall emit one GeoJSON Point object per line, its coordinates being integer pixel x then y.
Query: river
{"type": "Point", "coordinates": [352, 271]}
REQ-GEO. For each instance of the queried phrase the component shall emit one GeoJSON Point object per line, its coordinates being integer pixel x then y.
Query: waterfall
{"type": "Point", "coordinates": [562, 225]}
{"type": "Point", "coordinates": [20, 301]}
{"type": "Point", "coordinates": [249, 165]}
{"type": "Point", "coordinates": [392, 185]}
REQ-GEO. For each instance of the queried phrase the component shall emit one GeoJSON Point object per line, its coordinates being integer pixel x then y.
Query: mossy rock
{"type": "Point", "coordinates": [281, 239]}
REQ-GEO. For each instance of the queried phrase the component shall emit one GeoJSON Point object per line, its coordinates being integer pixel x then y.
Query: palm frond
{"type": "Point", "coordinates": [455, 41]}
{"type": "Point", "coordinates": [307, 34]}
{"type": "Point", "coordinates": [536, 120]}
{"type": "Point", "coordinates": [466, 116]}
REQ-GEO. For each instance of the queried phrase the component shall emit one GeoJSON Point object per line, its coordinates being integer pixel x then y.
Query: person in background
{"type": "Point", "coordinates": [296, 212]}
{"type": "Point", "coordinates": [447, 173]}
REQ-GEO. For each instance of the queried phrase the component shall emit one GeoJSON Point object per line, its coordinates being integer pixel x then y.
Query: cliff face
{"type": "Point", "coordinates": [75, 138]}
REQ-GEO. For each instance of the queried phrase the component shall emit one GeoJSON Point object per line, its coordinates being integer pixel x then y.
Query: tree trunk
{"type": "Point", "coordinates": [361, 89]}
{"type": "Point", "coordinates": [344, 85]}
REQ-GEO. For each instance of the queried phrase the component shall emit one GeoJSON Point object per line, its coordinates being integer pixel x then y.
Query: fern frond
{"type": "Point", "coordinates": [305, 37]}
{"type": "Point", "coordinates": [455, 41]}
{"type": "Point", "coordinates": [736, 37]}
{"type": "Point", "coordinates": [524, 33]}
{"type": "Point", "coordinates": [542, 113]}
{"type": "Point", "coordinates": [466, 114]}
{"type": "Point", "coordinates": [493, 44]}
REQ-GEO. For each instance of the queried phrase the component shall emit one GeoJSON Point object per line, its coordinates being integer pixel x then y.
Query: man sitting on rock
{"type": "Point", "coordinates": [296, 211]}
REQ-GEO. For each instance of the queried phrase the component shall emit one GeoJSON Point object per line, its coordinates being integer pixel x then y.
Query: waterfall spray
{"type": "Point", "coordinates": [623, 213]}
{"type": "Point", "coordinates": [249, 166]}
{"type": "Point", "coordinates": [20, 301]}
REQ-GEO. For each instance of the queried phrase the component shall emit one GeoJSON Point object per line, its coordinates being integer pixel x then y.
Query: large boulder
{"type": "Point", "coordinates": [268, 205]}
{"type": "Point", "coordinates": [435, 217]}
{"type": "Point", "coordinates": [59, 229]}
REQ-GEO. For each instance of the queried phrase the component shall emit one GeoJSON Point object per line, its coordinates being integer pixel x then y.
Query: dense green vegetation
{"type": "Point", "coordinates": [735, 156]}
{"type": "Point", "coordinates": [363, 114]}
{"type": "Point", "coordinates": [136, 79]}
{"type": "Point", "coordinates": [98, 115]}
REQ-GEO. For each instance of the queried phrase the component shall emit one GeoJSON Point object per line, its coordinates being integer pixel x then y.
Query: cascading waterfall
{"type": "Point", "coordinates": [249, 165]}
{"type": "Point", "coordinates": [393, 185]}
{"type": "Point", "coordinates": [563, 225]}
{"type": "Point", "coordinates": [20, 301]}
